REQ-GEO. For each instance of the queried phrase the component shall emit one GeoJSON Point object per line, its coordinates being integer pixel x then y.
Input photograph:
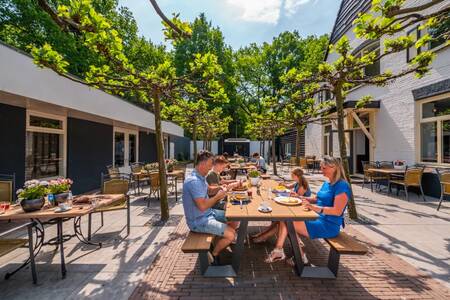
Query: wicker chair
{"type": "Point", "coordinates": [413, 178]}
{"type": "Point", "coordinates": [383, 178]}
{"type": "Point", "coordinates": [369, 175]}
{"type": "Point", "coordinates": [303, 163]}
{"type": "Point", "coordinates": [136, 180]}
{"type": "Point", "coordinates": [444, 179]}
{"type": "Point", "coordinates": [112, 170]}
{"type": "Point", "coordinates": [7, 188]}
{"type": "Point", "coordinates": [155, 187]}
{"type": "Point", "coordinates": [117, 184]}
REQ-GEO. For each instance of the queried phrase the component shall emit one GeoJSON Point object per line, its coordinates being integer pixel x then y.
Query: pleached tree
{"type": "Point", "coordinates": [157, 85]}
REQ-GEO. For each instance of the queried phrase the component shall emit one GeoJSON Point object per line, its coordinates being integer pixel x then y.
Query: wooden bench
{"type": "Point", "coordinates": [343, 244]}
{"type": "Point", "coordinates": [201, 243]}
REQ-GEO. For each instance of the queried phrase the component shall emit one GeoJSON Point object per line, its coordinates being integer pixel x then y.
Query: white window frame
{"type": "Point", "coordinates": [438, 121]}
{"type": "Point", "coordinates": [126, 132]}
{"type": "Point", "coordinates": [62, 131]}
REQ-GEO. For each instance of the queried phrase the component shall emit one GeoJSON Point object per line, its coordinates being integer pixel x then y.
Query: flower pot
{"type": "Point", "coordinates": [29, 205]}
{"type": "Point", "coordinates": [61, 198]}
{"type": "Point", "coordinates": [169, 168]}
{"type": "Point", "coordinates": [254, 180]}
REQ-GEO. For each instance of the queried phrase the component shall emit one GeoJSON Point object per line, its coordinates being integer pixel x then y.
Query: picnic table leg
{"type": "Point", "coordinates": [61, 245]}
{"type": "Point", "coordinates": [299, 265]}
{"type": "Point", "coordinates": [239, 248]}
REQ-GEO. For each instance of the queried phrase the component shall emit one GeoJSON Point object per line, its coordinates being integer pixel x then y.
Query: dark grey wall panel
{"type": "Point", "coordinates": [147, 147]}
{"type": "Point", "coordinates": [89, 151]}
{"type": "Point", "coordinates": [182, 147]}
{"type": "Point", "coordinates": [12, 137]}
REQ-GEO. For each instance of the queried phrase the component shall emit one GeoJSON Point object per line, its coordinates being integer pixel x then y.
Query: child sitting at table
{"type": "Point", "coordinates": [300, 187]}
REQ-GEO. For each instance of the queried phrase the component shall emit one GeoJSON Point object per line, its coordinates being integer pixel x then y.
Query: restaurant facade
{"type": "Point", "coordinates": [52, 126]}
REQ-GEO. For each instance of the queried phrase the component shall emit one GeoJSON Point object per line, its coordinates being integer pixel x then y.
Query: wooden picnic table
{"type": "Point", "coordinates": [49, 216]}
{"type": "Point", "coordinates": [250, 212]}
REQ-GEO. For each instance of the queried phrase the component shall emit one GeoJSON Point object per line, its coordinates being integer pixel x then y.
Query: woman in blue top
{"type": "Point", "coordinates": [299, 188]}
{"type": "Point", "coordinates": [330, 203]}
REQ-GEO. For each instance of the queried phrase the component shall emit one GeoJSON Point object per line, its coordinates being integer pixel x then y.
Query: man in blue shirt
{"type": "Point", "coordinates": [200, 216]}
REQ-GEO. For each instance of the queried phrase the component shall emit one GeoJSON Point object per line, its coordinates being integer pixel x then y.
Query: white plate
{"type": "Point", "coordinates": [59, 209]}
{"type": "Point", "coordinates": [280, 191]}
{"type": "Point", "coordinates": [282, 200]}
{"type": "Point", "coordinates": [265, 210]}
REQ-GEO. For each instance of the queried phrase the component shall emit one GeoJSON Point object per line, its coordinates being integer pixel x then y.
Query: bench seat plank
{"type": "Point", "coordinates": [8, 245]}
{"type": "Point", "coordinates": [197, 242]}
{"type": "Point", "coordinates": [345, 244]}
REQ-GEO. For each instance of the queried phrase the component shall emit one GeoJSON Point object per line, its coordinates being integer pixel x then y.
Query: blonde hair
{"type": "Point", "coordinates": [302, 181]}
{"type": "Point", "coordinates": [335, 162]}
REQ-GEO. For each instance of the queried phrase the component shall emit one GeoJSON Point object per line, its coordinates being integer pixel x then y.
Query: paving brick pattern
{"type": "Point", "coordinates": [377, 275]}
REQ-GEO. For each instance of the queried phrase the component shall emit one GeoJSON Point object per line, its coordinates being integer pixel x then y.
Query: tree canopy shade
{"type": "Point", "coordinates": [157, 84]}
{"type": "Point", "coordinates": [383, 21]}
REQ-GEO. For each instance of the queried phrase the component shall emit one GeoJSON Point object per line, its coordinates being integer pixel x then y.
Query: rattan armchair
{"type": "Point", "coordinates": [155, 186]}
{"type": "Point", "coordinates": [413, 178]}
{"type": "Point", "coordinates": [369, 175]}
{"type": "Point", "coordinates": [7, 188]}
{"type": "Point", "coordinates": [444, 179]}
{"type": "Point", "coordinates": [117, 184]}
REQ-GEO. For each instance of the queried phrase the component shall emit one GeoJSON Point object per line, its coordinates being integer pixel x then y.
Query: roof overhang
{"type": "Point", "coordinates": [351, 104]}
{"type": "Point", "coordinates": [20, 76]}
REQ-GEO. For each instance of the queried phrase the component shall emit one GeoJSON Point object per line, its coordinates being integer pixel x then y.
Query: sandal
{"type": "Point", "coordinates": [290, 261]}
{"type": "Point", "coordinates": [275, 255]}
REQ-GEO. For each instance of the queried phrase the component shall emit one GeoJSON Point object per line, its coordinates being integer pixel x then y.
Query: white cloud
{"type": "Point", "coordinates": [266, 11]}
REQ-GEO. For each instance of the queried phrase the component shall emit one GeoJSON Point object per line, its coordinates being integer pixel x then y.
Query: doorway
{"type": "Point", "coordinates": [125, 148]}
{"type": "Point", "coordinates": [360, 150]}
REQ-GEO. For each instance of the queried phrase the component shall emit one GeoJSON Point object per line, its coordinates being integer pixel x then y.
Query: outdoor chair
{"type": "Point", "coordinates": [117, 184]}
{"type": "Point", "coordinates": [154, 187]}
{"type": "Point", "coordinates": [7, 188]}
{"type": "Point", "coordinates": [413, 178]}
{"type": "Point", "coordinates": [112, 170]}
{"type": "Point", "coordinates": [136, 180]}
{"type": "Point", "coordinates": [303, 163]}
{"type": "Point", "coordinates": [180, 167]}
{"type": "Point", "coordinates": [369, 175]}
{"type": "Point", "coordinates": [383, 179]}
{"type": "Point", "coordinates": [444, 179]}
{"type": "Point", "coordinates": [8, 245]}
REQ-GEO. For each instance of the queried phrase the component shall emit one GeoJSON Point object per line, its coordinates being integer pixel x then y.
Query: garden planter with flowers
{"type": "Point", "coordinates": [170, 163]}
{"type": "Point", "coordinates": [31, 197]}
{"type": "Point", "coordinates": [60, 188]}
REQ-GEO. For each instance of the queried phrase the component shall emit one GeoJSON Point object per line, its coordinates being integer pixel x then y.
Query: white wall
{"type": "Point", "coordinates": [395, 121]}
{"type": "Point", "coordinates": [20, 76]}
{"type": "Point", "coordinates": [255, 147]}
{"type": "Point", "coordinates": [214, 147]}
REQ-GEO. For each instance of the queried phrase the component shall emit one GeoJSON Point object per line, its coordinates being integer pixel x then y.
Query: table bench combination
{"type": "Point", "coordinates": [201, 243]}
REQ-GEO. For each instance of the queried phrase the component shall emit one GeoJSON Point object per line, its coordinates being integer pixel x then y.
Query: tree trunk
{"type": "Point", "coordinates": [274, 161]}
{"type": "Point", "coordinates": [161, 161]}
{"type": "Point", "coordinates": [297, 145]}
{"type": "Point", "coordinates": [264, 150]}
{"type": "Point", "coordinates": [343, 148]}
{"type": "Point", "coordinates": [194, 140]}
{"type": "Point", "coordinates": [269, 156]}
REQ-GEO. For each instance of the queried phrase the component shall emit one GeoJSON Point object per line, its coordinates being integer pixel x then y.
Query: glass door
{"type": "Point", "coordinates": [125, 147]}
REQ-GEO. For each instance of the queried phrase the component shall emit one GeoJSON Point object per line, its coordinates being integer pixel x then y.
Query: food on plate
{"type": "Point", "coordinates": [240, 197]}
{"type": "Point", "coordinates": [240, 188]}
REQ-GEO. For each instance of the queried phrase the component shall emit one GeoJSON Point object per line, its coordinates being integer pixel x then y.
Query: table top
{"type": "Point", "coordinates": [246, 167]}
{"type": "Point", "coordinates": [279, 212]}
{"type": "Point", "coordinates": [16, 212]}
{"type": "Point", "coordinates": [146, 173]}
{"type": "Point", "coordinates": [387, 171]}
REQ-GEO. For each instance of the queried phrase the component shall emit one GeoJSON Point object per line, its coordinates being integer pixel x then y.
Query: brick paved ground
{"type": "Point", "coordinates": [377, 275]}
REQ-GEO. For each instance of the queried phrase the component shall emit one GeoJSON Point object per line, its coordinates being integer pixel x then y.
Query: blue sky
{"type": "Point", "coordinates": [241, 21]}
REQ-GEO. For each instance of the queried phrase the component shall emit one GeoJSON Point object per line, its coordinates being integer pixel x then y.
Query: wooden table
{"type": "Point", "coordinates": [235, 168]}
{"type": "Point", "coordinates": [49, 216]}
{"type": "Point", "coordinates": [388, 172]}
{"type": "Point", "coordinates": [250, 212]}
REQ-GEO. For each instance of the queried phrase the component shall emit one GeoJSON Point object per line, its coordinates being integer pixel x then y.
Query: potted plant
{"type": "Point", "coordinates": [399, 164]}
{"type": "Point", "coordinates": [60, 188]}
{"type": "Point", "coordinates": [254, 177]}
{"type": "Point", "coordinates": [31, 197]}
{"type": "Point", "coordinates": [170, 163]}
{"type": "Point", "coordinates": [152, 167]}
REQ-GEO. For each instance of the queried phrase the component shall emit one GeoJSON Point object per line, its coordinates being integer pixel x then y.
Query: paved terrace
{"type": "Point", "coordinates": [408, 258]}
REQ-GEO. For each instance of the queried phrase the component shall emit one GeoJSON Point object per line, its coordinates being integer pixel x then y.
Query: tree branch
{"type": "Point", "coordinates": [167, 20]}
{"type": "Point", "coordinates": [61, 22]}
{"type": "Point", "coordinates": [414, 9]}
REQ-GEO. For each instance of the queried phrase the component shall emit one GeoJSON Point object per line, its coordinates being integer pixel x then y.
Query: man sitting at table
{"type": "Point", "coordinates": [215, 182]}
{"type": "Point", "coordinates": [200, 216]}
{"type": "Point", "coordinates": [260, 162]}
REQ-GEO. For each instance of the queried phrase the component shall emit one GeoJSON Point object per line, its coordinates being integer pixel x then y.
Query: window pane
{"type": "Point", "coordinates": [428, 137]}
{"type": "Point", "coordinates": [119, 149]}
{"type": "Point", "coordinates": [436, 108]}
{"type": "Point", "coordinates": [44, 155]}
{"type": "Point", "coordinates": [132, 148]}
{"type": "Point", "coordinates": [438, 33]}
{"type": "Point", "coordinates": [45, 122]}
{"type": "Point", "coordinates": [446, 142]}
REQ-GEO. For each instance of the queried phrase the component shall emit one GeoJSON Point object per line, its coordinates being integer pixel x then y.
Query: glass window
{"type": "Point", "coordinates": [45, 122]}
{"type": "Point", "coordinates": [132, 148]}
{"type": "Point", "coordinates": [119, 149]}
{"type": "Point", "coordinates": [438, 33]}
{"type": "Point", "coordinates": [44, 155]}
{"type": "Point", "coordinates": [446, 142]}
{"type": "Point", "coordinates": [373, 69]}
{"type": "Point", "coordinates": [428, 133]}
{"type": "Point", "coordinates": [436, 109]}
{"type": "Point", "coordinates": [412, 51]}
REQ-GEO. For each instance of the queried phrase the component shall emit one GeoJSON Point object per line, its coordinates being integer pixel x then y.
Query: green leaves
{"type": "Point", "coordinates": [45, 56]}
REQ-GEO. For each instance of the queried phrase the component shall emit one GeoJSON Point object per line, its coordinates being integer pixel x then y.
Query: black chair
{"type": "Point", "coordinates": [7, 188]}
